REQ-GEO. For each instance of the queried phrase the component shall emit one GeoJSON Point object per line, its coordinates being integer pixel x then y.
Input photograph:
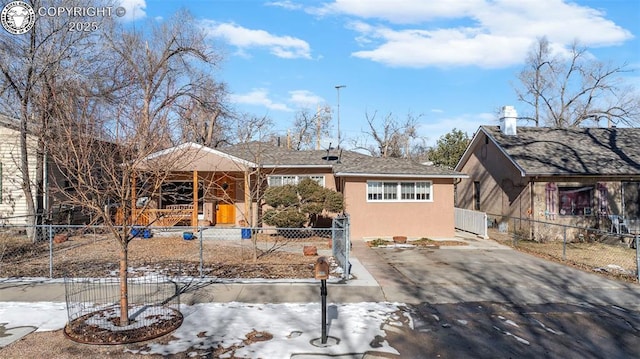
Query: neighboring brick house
{"type": "Point", "coordinates": [384, 197]}
{"type": "Point", "coordinates": [587, 177]}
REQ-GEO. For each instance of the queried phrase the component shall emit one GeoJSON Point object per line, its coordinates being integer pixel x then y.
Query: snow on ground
{"type": "Point", "coordinates": [293, 326]}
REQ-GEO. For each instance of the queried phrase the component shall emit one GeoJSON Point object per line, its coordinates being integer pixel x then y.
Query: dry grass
{"type": "Point", "coordinates": [612, 258]}
{"type": "Point", "coordinates": [98, 256]}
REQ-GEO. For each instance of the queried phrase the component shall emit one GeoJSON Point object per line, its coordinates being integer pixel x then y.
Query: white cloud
{"type": "Point", "coordinates": [443, 48]}
{"type": "Point", "coordinates": [401, 11]}
{"type": "Point", "coordinates": [286, 4]}
{"type": "Point", "coordinates": [259, 97]}
{"type": "Point", "coordinates": [305, 99]}
{"type": "Point", "coordinates": [287, 47]}
{"type": "Point", "coordinates": [135, 9]}
{"type": "Point", "coordinates": [486, 34]}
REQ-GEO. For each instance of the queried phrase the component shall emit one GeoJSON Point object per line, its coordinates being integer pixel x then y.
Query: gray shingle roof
{"type": "Point", "coordinates": [575, 151]}
{"type": "Point", "coordinates": [343, 163]}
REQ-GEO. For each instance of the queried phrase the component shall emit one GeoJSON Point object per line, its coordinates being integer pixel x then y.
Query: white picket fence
{"type": "Point", "coordinates": [471, 221]}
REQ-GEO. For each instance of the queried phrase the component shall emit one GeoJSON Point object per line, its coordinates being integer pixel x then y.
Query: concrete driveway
{"type": "Point", "coordinates": [486, 300]}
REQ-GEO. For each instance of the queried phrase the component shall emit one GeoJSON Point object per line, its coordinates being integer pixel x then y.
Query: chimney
{"type": "Point", "coordinates": [508, 119]}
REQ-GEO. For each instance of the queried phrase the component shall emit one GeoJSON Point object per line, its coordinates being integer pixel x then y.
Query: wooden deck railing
{"type": "Point", "coordinates": [168, 217]}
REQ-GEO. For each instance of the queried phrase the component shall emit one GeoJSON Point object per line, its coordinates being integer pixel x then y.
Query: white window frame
{"type": "Point", "coordinates": [399, 191]}
{"type": "Point", "coordinates": [292, 179]}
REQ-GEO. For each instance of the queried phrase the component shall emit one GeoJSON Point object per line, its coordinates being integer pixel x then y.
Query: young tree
{"type": "Point", "coordinates": [300, 205]}
{"type": "Point", "coordinates": [106, 131]}
{"type": "Point", "coordinates": [576, 89]}
{"type": "Point", "coordinates": [449, 149]}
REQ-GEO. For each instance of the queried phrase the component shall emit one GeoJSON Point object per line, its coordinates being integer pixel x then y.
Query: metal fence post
{"type": "Point", "coordinates": [201, 268]}
{"type": "Point", "coordinates": [50, 251]}
{"type": "Point", "coordinates": [564, 243]}
{"type": "Point", "coordinates": [638, 255]}
{"type": "Point", "coordinates": [513, 231]}
{"type": "Point", "coordinates": [347, 249]}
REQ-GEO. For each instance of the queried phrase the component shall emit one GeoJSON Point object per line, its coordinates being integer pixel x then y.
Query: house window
{"type": "Point", "coordinates": [181, 193]}
{"type": "Point", "coordinates": [476, 195]}
{"type": "Point", "coordinates": [276, 181]}
{"type": "Point", "coordinates": [398, 191]}
{"type": "Point", "coordinates": [374, 191]}
{"type": "Point", "coordinates": [575, 201]}
{"type": "Point", "coordinates": [631, 199]}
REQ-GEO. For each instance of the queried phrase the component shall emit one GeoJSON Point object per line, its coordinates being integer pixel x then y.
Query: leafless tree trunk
{"type": "Point", "coordinates": [106, 131]}
{"type": "Point", "coordinates": [205, 119]}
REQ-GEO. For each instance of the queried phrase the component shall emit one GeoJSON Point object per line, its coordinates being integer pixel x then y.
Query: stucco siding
{"type": "Point", "coordinates": [433, 219]}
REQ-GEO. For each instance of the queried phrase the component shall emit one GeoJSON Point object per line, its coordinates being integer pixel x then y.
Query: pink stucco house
{"type": "Point", "coordinates": [384, 197]}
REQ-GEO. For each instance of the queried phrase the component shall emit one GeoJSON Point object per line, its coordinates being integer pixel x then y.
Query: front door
{"type": "Point", "coordinates": [226, 214]}
{"type": "Point", "coordinates": [225, 193]}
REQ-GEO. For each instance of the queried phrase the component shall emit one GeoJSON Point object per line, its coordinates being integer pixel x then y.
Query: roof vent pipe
{"type": "Point", "coordinates": [508, 120]}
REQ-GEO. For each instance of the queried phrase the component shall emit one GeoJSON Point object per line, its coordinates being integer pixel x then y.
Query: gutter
{"type": "Point", "coordinates": [297, 166]}
{"type": "Point", "coordinates": [397, 175]}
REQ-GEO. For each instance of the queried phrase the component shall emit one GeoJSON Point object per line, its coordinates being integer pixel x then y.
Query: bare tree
{"type": "Point", "coordinates": [205, 118]}
{"type": "Point", "coordinates": [29, 61]}
{"type": "Point", "coordinates": [574, 90]}
{"type": "Point", "coordinates": [308, 127]}
{"type": "Point", "coordinates": [106, 132]}
{"type": "Point", "coordinates": [391, 138]}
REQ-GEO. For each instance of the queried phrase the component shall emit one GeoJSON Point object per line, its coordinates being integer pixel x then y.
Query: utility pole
{"type": "Point", "coordinates": [338, 87]}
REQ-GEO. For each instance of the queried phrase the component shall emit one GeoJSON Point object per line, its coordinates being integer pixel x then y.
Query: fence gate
{"type": "Point", "coordinates": [341, 243]}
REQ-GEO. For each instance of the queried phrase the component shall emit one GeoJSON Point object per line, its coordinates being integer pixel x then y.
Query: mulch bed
{"type": "Point", "coordinates": [85, 329]}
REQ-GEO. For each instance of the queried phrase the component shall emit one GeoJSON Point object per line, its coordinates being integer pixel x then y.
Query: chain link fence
{"type": "Point", "coordinates": [597, 250]}
{"type": "Point", "coordinates": [52, 251]}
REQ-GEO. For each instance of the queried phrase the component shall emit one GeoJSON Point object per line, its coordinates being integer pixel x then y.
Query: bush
{"type": "Point", "coordinates": [300, 205]}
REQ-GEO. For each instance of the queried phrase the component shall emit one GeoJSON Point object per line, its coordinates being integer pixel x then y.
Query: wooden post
{"type": "Point", "coordinates": [248, 208]}
{"type": "Point", "coordinates": [194, 213]}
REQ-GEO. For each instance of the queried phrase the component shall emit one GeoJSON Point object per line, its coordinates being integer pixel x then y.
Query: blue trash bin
{"type": "Point", "coordinates": [246, 233]}
{"type": "Point", "coordinates": [136, 232]}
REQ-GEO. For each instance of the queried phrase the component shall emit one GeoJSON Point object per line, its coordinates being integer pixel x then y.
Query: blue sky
{"type": "Point", "coordinates": [453, 63]}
